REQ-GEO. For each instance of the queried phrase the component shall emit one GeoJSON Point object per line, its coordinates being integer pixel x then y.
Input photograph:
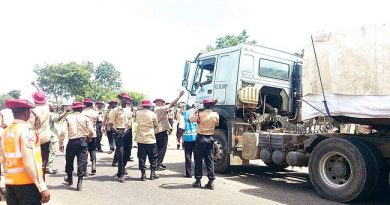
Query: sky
{"type": "Point", "coordinates": [148, 41]}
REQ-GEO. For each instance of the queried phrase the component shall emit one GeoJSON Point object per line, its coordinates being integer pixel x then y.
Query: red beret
{"type": "Point", "coordinates": [209, 102]}
{"type": "Point", "coordinates": [77, 105]}
{"type": "Point", "coordinates": [18, 103]}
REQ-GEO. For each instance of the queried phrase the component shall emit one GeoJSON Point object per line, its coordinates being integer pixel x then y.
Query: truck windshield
{"type": "Point", "coordinates": [204, 73]}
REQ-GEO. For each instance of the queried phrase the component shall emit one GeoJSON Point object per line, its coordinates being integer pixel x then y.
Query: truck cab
{"type": "Point", "coordinates": [247, 81]}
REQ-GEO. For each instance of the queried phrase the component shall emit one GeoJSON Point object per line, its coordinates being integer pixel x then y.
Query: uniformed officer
{"type": "Point", "coordinates": [161, 131]}
{"type": "Point", "coordinates": [20, 153]}
{"type": "Point", "coordinates": [39, 120]}
{"type": "Point", "coordinates": [54, 118]}
{"type": "Point", "coordinates": [78, 128]}
{"type": "Point", "coordinates": [111, 105]}
{"type": "Point", "coordinates": [204, 145]}
{"type": "Point", "coordinates": [188, 129]}
{"type": "Point", "coordinates": [93, 117]}
{"type": "Point", "coordinates": [99, 124]}
{"type": "Point", "coordinates": [120, 123]}
{"type": "Point", "coordinates": [146, 140]}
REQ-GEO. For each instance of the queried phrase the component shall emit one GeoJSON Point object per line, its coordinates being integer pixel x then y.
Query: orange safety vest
{"type": "Point", "coordinates": [14, 168]}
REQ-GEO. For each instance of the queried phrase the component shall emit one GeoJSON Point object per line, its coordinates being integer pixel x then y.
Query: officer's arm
{"type": "Point", "coordinates": [27, 148]}
{"type": "Point", "coordinates": [155, 121]}
{"type": "Point", "coordinates": [111, 117]}
{"type": "Point", "coordinates": [64, 133]}
{"type": "Point", "coordinates": [174, 102]}
{"type": "Point", "coordinates": [90, 128]}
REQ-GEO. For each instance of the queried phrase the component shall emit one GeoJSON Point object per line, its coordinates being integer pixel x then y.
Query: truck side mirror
{"type": "Point", "coordinates": [187, 70]}
{"type": "Point", "coordinates": [184, 83]}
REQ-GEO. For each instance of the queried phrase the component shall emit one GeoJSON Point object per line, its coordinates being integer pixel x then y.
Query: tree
{"type": "Point", "coordinates": [137, 96]}
{"type": "Point", "coordinates": [230, 40]}
{"type": "Point", "coordinates": [5, 96]}
{"type": "Point", "coordinates": [14, 94]}
{"type": "Point", "coordinates": [108, 76]}
{"type": "Point", "coordinates": [64, 80]}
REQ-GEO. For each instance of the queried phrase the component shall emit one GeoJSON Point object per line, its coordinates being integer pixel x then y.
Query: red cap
{"type": "Point", "coordinates": [146, 103]}
{"type": "Point", "coordinates": [39, 97]}
{"type": "Point", "coordinates": [209, 102]}
{"type": "Point", "coordinates": [124, 95]}
{"type": "Point", "coordinates": [100, 102]}
{"type": "Point", "coordinates": [88, 100]}
{"type": "Point", "coordinates": [159, 99]}
{"type": "Point", "coordinates": [18, 103]}
{"type": "Point", "coordinates": [77, 105]}
{"type": "Point", "coordinates": [113, 102]}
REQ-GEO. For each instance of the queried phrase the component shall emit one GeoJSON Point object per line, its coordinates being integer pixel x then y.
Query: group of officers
{"type": "Point", "coordinates": [24, 144]}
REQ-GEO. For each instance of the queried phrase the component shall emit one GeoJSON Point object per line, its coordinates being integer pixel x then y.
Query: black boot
{"type": "Point", "coordinates": [210, 185]}
{"type": "Point", "coordinates": [197, 184]}
{"type": "Point", "coordinates": [153, 175]}
{"type": "Point", "coordinates": [93, 172]}
{"type": "Point", "coordinates": [69, 178]}
{"type": "Point", "coordinates": [80, 184]}
{"type": "Point", "coordinates": [143, 176]}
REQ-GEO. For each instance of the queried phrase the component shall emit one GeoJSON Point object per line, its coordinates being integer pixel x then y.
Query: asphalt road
{"type": "Point", "coordinates": [255, 184]}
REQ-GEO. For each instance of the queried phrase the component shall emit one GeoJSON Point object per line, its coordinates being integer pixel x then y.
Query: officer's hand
{"type": "Point", "coordinates": [68, 110]}
{"type": "Point", "coordinates": [45, 195]}
{"type": "Point", "coordinates": [181, 93]}
{"type": "Point", "coordinates": [62, 148]}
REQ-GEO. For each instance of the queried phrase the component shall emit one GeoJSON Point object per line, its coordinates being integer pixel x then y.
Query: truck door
{"type": "Point", "coordinates": [221, 80]}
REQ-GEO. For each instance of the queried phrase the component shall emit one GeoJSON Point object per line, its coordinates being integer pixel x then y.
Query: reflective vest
{"type": "Point", "coordinates": [190, 128]}
{"type": "Point", "coordinates": [14, 169]}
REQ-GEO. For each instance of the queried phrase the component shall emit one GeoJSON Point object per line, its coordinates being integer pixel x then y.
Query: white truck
{"type": "Point", "coordinates": [289, 111]}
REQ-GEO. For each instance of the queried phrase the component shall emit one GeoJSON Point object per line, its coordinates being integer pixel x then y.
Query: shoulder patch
{"type": "Point", "coordinates": [30, 140]}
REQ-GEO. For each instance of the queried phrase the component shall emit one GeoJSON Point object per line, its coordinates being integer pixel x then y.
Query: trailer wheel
{"type": "Point", "coordinates": [341, 169]}
{"type": "Point", "coordinates": [221, 154]}
{"type": "Point", "coordinates": [276, 167]}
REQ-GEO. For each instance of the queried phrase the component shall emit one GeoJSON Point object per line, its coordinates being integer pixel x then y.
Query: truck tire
{"type": "Point", "coordinates": [341, 169]}
{"type": "Point", "coordinates": [276, 167]}
{"type": "Point", "coordinates": [221, 154]}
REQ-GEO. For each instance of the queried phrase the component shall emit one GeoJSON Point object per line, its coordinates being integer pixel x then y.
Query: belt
{"type": "Point", "coordinates": [78, 138]}
{"type": "Point", "coordinates": [207, 136]}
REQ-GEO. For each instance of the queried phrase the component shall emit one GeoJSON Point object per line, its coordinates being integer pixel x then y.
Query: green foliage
{"type": "Point", "coordinates": [5, 96]}
{"type": "Point", "coordinates": [65, 80]}
{"type": "Point", "coordinates": [230, 40]}
{"type": "Point", "coordinates": [14, 94]}
{"type": "Point", "coordinates": [108, 76]}
{"type": "Point", "coordinates": [137, 96]}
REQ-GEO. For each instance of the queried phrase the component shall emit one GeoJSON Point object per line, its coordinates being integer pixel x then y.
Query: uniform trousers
{"type": "Point", "coordinates": [149, 150]}
{"type": "Point", "coordinates": [23, 195]}
{"type": "Point", "coordinates": [99, 135]}
{"type": "Point", "coordinates": [204, 149]}
{"type": "Point", "coordinates": [111, 140]}
{"type": "Point", "coordinates": [92, 149]}
{"type": "Point", "coordinates": [76, 148]}
{"type": "Point", "coordinates": [45, 150]}
{"type": "Point", "coordinates": [189, 148]}
{"type": "Point", "coordinates": [162, 144]}
{"type": "Point", "coordinates": [52, 152]}
{"type": "Point", "coordinates": [122, 151]}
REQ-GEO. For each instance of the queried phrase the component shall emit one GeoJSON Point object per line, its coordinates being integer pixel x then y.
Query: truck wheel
{"type": "Point", "coordinates": [341, 169]}
{"type": "Point", "coordinates": [221, 154]}
{"type": "Point", "coordinates": [276, 167]}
